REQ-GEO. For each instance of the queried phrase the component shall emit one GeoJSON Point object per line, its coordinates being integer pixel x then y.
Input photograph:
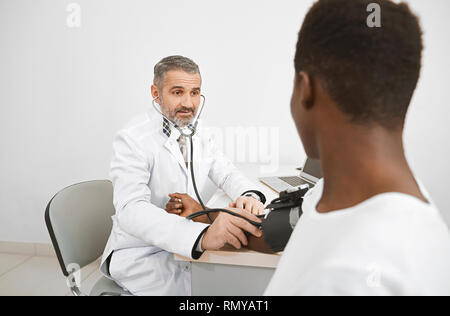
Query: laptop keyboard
{"type": "Point", "coordinates": [294, 181]}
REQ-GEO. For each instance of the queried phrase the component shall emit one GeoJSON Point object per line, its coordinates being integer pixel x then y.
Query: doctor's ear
{"type": "Point", "coordinates": [155, 91]}
{"type": "Point", "coordinates": [305, 85]}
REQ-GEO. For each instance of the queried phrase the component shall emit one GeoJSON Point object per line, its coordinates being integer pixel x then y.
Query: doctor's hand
{"type": "Point", "coordinates": [229, 229]}
{"type": "Point", "coordinates": [248, 203]}
{"type": "Point", "coordinates": [182, 204]}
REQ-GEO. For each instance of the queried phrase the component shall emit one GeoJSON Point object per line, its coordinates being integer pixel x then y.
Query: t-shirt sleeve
{"type": "Point", "coordinates": [345, 281]}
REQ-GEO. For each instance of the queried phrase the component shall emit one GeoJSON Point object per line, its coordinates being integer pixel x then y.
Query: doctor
{"type": "Point", "coordinates": [149, 163]}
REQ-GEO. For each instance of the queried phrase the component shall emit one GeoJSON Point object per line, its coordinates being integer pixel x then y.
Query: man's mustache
{"type": "Point", "coordinates": [184, 109]}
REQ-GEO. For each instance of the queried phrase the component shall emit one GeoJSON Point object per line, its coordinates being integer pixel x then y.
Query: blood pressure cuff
{"type": "Point", "coordinates": [278, 226]}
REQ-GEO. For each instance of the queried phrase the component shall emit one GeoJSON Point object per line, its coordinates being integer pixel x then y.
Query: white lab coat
{"type": "Point", "coordinates": [147, 166]}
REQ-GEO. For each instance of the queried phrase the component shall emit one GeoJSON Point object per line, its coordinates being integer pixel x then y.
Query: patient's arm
{"type": "Point", "coordinates": [277, 228]}
{"type": "Point", "coordinates": [184, 205]}
{"type": "Point", "coordinates": [258, 244]}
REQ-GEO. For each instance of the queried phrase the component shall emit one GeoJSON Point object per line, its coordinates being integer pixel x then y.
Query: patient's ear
{"type": "Point", "coordinates": [306, 89]}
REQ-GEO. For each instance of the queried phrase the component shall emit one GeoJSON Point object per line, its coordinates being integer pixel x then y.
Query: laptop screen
{"type": "Point", "coordinates": [312, 170]}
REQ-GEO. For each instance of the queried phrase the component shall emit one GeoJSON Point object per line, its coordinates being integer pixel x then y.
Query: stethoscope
{"type": "Point", "coordinates": [287, 199]}
{"type": "Point", "coordinates": [188, 131]}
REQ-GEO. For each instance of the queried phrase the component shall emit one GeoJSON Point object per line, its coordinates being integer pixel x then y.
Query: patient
{"type": "Point", "coordinates": [369, 227]}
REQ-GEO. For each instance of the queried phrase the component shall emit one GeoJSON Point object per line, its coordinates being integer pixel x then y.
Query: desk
{"type": "Point", "coordinates": [230, 271]}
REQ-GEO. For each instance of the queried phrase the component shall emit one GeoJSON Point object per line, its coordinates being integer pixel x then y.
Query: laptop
{"type": "Point", "coordinates": [310, 174]}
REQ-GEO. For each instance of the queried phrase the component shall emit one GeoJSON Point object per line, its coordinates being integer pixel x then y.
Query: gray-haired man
{"type": "Point", "coordinates": [149, 164]}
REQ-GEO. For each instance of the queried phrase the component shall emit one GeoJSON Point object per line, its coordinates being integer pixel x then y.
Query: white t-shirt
{"type": "Point", "coordinates": [390, 244]}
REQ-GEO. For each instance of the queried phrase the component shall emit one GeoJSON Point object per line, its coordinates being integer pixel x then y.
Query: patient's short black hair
{"type": "Point", "coordinates": [370, 72]}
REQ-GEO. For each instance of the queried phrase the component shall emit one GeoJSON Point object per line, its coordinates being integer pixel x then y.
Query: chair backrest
{"type": "Point", "coordinates": [78, 219]}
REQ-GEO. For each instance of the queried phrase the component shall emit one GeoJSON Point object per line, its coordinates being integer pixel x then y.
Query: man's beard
{"type": "Point", "coordinates": [176, 120]}
{"type": "Point", "coordinates": [181, 122]}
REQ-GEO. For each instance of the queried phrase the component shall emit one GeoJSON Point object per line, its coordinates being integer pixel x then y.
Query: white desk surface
{"type": "Point", "coordinates": [252, 171]}
{"type": "Point", "coordinates": [243, 257]}
{"type": "Point", "coordinates": [239, 257]}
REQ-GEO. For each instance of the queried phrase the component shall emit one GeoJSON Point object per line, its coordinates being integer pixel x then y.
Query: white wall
{"type": "Point", "coordinates": [65, 91]}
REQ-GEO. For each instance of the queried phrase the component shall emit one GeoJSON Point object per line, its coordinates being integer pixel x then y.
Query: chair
{"type": "Point", "coordinates": [78, 219]}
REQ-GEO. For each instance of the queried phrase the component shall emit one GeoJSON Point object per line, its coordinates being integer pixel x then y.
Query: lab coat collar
{"type": "Point", "coordinates": [174, 133]}
{"type": "Point", "coordinates": [173, 146]}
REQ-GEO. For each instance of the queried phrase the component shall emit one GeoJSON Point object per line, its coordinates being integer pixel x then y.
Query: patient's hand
{"type": "Point", "coordinates": [182, 204]}
{"type": "Point", "coordinates": [248, 204]}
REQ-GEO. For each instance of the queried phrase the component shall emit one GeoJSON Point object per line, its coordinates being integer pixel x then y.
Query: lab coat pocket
{"type": "Point", "coordinates": [137, 269]}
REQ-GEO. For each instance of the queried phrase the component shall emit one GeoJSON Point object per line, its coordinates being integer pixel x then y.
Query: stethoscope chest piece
{"type": "Point", "coordinates": [187, 131]}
